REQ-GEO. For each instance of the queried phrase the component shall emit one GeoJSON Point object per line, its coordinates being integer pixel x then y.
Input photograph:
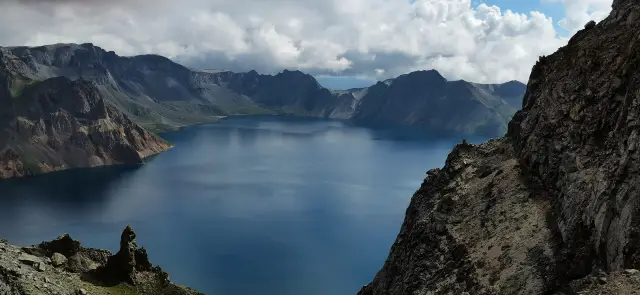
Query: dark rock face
{"type": "Point", "coordinates": [552, 208]}
{"type": "Point", "coordinates": [129, 259]}
{"type": "Point", "coordinates": [577, 138]}
{"type": "Point", "coordinates": [64, 245]}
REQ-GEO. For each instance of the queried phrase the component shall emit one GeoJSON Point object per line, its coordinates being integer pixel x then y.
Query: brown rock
{"type": "Point", "coordinates": [58, 124]}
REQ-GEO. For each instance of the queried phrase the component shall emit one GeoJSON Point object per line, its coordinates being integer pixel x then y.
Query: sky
{"type": "Point", "coordinates": [344, 43]}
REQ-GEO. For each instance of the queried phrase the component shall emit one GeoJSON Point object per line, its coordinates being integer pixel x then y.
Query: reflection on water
{"type": "Point", "coordinates": [251, 205]}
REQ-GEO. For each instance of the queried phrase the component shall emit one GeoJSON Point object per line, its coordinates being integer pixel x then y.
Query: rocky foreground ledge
{"type": "Point", "coordinates": [64, 267]}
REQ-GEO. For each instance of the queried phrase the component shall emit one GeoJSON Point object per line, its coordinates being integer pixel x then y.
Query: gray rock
{"type": "Point", "coordinates": [29, 259]}
{"type": "Point", "coordinates": [82, 292]}
{"type": "Point", "coordinates": [58, 259]}
{"type": "Point", "coordinates": [42, 266]}
{"type": "Point", "coordinates": [631, 271]}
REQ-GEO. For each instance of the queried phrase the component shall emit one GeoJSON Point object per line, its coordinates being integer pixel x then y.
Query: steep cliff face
{"type": "Point", "coordinates": [552, 208]}
{"type": "Point", "coordinates": [58, 124]}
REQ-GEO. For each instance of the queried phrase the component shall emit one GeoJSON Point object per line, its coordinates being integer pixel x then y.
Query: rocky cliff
{"type": "Point", "coordinates": [551, 208]}
{"type": "Point", "coordinates": [58, 124]}
{"type": "Point", "coordinates": [151, 90]}
{"type": "Point", "coordinates": [64, 267]}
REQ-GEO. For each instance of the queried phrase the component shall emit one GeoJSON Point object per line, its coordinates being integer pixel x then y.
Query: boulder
{"type": "Point", "coordinates": [58, 259]}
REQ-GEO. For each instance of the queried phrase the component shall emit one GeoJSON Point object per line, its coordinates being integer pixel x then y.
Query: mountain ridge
{"type": "Point", "coordinates": [50, 96]}
{"type": "Point", "coordinates": [149, 82]}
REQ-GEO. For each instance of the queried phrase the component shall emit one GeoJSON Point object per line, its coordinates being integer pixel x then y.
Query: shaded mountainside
{"type": "Point", "coordinates": [158, 93]}
{"type": "Point", "coordinates": [423, 98]}
{"type": "Point", "coordinates": [64, 267]}
{"type": "Point", "coordinates": [551, 208]}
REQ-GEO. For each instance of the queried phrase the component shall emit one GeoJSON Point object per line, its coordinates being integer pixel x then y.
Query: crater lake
{"type": "Point", "coordinates": [248, 205]}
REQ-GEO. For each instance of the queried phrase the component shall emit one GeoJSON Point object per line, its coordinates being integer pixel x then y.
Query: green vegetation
{"type": "Point", "coordinates": [20, 85]}
{"type": "Point", "coordinates": [30, 165]}
{"type": "Point", "coordinates": [122, 289]}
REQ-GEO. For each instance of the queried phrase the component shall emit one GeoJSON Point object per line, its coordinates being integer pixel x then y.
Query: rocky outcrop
{"type": "Point", "coordinates": [58, 124]}
{"type": "Point", "coordinates": [553, 207]}
{"type": "Point", "coordinates": [129, 260]}
{"type": "Point", "coordinates": [63, 266]}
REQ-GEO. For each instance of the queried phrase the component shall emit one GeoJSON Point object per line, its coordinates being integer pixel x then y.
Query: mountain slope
{"type": "Point", "coordinates": [151, 89]}
{"type": "Point", "coordinates": [553, 207]}
{"type": "Point", "coordinates": [428, 100]}
{"type": "Point", "coordinates": [58, 124]}
{"type": "Point", "coordinates": [422, 98]}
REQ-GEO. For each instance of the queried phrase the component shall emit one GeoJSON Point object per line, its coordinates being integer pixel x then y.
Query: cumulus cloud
{"type": "Point", "coordinates": [579, 12]}
{"type": "Point", "coordinates": [370, 38]}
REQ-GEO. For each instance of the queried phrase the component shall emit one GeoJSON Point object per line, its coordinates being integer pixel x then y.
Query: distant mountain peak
{"type": "Point", "coordinates": [297, 76]}
{"type": "Point", "coordinates": [293, 73]}
{"type": "Point", "coordinates": [431, 75]}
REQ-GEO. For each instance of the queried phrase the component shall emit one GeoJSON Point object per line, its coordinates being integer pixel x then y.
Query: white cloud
{"type": "Point", "coordinates": [579, 12]}
{"type": "Point", "coordinates": [375, 38]}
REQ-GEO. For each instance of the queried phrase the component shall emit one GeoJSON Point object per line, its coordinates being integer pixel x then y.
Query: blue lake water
{"type": "Point", "coordinates": [249, 205]}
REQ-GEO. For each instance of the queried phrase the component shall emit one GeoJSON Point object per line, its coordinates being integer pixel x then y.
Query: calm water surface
{"type": "Point", "coordinates": [250, 205]}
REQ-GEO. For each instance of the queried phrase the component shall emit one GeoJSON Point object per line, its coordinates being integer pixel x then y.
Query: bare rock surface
{"type": "Point", "coordinates": [59, 124]}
